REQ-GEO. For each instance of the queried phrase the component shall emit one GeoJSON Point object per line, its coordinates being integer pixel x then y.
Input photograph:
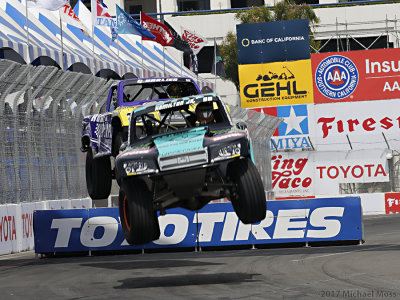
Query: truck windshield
{"type": "Point", "coordinates": [168, 120]}
{"type": "Point", "coordinates": [158, 90]}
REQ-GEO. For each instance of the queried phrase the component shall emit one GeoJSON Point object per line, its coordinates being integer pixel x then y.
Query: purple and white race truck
{"type": "Point", "coordinates": [104, 133]}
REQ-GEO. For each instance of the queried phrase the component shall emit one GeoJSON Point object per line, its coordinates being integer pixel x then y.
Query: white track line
{"type": "Point", "coordinates": [340, 253]}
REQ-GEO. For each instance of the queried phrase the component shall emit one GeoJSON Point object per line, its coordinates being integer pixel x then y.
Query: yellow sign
{"type": "Point", "coordinates": [274, 84]}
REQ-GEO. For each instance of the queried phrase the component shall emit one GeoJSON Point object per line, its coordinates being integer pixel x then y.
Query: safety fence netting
{"type": "Point", "coordinates": [41, 111]}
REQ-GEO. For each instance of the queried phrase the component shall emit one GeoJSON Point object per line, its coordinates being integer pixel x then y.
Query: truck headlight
{"type": "Point", "coordinates": [226, 152]}
{"type": "Point", "coordinates": [136, 168]}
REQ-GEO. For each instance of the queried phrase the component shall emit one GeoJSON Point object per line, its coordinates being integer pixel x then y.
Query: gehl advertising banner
{"type": "Point", "coordinates": [274, 84]}
{"type": "Point", "coordinates": [274, 63]}
{"type": "Point", "coordinates": [356, 75]}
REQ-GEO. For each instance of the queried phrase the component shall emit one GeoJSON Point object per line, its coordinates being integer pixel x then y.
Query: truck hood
{"type": "Point", "coordinates": [178, 143]}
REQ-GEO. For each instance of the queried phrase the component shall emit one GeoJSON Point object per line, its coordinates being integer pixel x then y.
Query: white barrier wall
{"type": "Point", "coordinates": [16, 222]}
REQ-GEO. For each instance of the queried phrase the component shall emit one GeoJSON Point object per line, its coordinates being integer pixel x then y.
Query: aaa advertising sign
{"type": "Point", "coordinates": [274, 84]}
{"type": "Point", "coordinates": [273, 41]}
{"type": "Point", "coordinates": [374, 124]}
{"type": "Point", "coordinates": [294, 131]}
{"type": "Point", "coordinates": [356, 75]}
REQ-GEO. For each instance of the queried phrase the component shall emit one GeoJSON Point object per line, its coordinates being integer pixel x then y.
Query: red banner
{"type": "Point", "coordinates": [392, 203]}
{"type": "Point", "coordinates": [356, 75]}
{"type": "Point", "coordinates": [161, 31]}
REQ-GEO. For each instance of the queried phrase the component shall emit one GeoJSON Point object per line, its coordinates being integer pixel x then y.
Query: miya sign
{"type": "Point", "coordinates": [356, 75]}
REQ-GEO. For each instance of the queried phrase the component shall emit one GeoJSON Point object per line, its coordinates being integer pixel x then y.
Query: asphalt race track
{"type": "Point", "coordinates": [368, 271]}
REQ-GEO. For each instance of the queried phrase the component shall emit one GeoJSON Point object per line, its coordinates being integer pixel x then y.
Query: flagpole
{"type": "Point", "coordinates": [141, 40]}
{"type": "Point", "coordinates": [163, 51]}
{"type": "Point", "coordinates": [118, 47]}
{"type": "Point", "coordinates": [215, 66]}
{"type": "Point", "coordinates": [62, 44]}
{"type": "Point", "coordinates": [27, 27]}
{"type": "Point", "coordinates": [93, 48]}
{"type": "Point", "coordinates": [181, 65]}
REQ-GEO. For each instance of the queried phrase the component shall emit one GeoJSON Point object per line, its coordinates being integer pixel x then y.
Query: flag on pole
{"type": "Point", "coordinates": [178, 43]}
{"type": "Point", "coordinates": [217, 66]}
{"type": "Point", "coordinates": [46, 4]}
{"type": "Point", "coordinates": [194, 65]}
{"type": "Point", "coordinates": [114, 34]}
{"type": "Point", "coordinates": [68, 16]}
{"type": "Point", "coordinates": [100, 16]}
{"type": "Point", "coordinates": [103, 4]}
{"type": "Point", "coordinates": [160, 31]}
{"type": "Point", "coordinates": [126, 24]}
{"type": "Point", "coordinates": [195, 40]}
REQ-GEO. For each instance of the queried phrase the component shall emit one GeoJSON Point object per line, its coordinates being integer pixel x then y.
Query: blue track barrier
{"type": "Point", "coordinates": [290, 221]}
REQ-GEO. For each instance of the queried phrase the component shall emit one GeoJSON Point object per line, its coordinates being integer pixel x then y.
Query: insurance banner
{"type": "Point", "coordinates": [215, 225]}
{"type": "Point", "coordinates": [274, 84]}
{"type": "Point", "coordinates": [356, 75]}
{"type": "Point", "coordinates": [260, 43]}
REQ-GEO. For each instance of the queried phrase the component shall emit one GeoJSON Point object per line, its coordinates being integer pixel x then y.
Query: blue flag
{"type": "Point", "coordinates": [114, 33]}
{"type": "Point", "coordinates": [126, 24]}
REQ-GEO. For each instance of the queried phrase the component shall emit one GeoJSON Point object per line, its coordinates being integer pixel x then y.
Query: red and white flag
{"type": "Point", "coordinates": [160, 31]}
{"type": "Point", "coordinates": [100, 15]}
{"type": "Point", "coordinates": [46, 4]}
{"type": "Point", "coordinates": [68, 16]}
{"type": "Point", "coordinates": [195, 40]}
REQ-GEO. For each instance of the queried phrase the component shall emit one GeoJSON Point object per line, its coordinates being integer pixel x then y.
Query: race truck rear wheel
{"type": "Point", "coordinates": [248, 196]}
{"type": "Point", "coordinates": [98, 176]}
{"type": "Point", "coordinates": [139, 220]}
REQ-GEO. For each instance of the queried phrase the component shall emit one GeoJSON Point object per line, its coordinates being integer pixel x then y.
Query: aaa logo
{"type": "Point", "coordinates": [336, 77]}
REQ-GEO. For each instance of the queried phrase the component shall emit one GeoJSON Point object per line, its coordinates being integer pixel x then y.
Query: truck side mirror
{"type": "Point", "coordinates": [123, 146]}
{"type": "Point", "coordinates": [241, 125]}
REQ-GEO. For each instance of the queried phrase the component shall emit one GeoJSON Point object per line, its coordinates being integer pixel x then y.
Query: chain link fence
{"type": "Point", "coordinates": [41, 111]}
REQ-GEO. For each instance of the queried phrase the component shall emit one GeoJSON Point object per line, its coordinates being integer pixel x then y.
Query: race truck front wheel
{"type": "Point", "coordinates": [247, 195]}
{"type": "Point", "coordinates": [139, 220]}
{"type": "Point", "coordinates": [98, 176]}
{"type": "Point", "coordinates": [118, 139]}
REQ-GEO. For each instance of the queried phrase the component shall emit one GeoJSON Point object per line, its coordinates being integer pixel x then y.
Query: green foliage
{"type": "Point", "coordinates": [284, 10]}
{"type": "Point", "coordinates": [229, 56]}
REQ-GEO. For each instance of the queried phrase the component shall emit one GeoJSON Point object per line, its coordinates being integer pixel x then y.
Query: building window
{"type": "Point", "coordinates": [135, 9]}
{"type": "Point", "coordinates": [246, 3]}
{"type": "Point", "coordinates": [184, 5]}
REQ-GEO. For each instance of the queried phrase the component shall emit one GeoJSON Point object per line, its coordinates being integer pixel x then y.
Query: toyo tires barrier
{"type": "Point", "coordinates": [306, 220]}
